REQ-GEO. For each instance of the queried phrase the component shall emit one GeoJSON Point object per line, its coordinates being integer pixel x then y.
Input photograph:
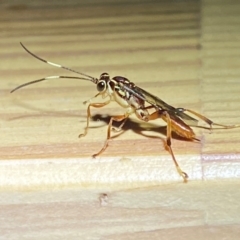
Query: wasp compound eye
{"type": "Point", "coordinates": [101, 86]}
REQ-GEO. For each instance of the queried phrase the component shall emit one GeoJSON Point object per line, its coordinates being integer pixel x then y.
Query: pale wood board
{"type": "Point", "coordinates": [185, 52]}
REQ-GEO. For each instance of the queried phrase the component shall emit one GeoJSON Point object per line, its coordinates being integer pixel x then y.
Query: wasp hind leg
{"type": "Point", "coordinates": [164, 114]}
{"type": "Point", "coordinates": [206, 120]}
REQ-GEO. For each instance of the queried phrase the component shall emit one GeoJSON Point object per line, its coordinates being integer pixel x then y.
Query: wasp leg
{"type": "Point", "coordinates": [95, 105]}
{"type": "Point", "coordinates": [143, 117]}
{"type": "Point", "coordinates": [206, 120]}
{"type": "Point", "coordinates": [164, 114]}
{"type": "Point", "coordinates": [114, 118]}
{"type": "Point", "coordinates": [118, 129]}
{"type": "Point", "coordinates": [89, 100]}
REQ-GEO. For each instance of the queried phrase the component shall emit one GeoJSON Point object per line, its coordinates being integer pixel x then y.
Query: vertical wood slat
{"type": "Point", "coordinates": [221, 88]}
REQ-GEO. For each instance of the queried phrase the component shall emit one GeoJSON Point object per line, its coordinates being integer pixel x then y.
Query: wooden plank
{"type": "Point", "coordinates": [157, 48]}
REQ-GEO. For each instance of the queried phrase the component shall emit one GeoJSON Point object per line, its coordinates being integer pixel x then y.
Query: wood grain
{"type": "Point", "coordinates": [185, 52]}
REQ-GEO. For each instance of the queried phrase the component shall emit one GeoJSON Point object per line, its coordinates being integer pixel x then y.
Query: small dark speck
{"type": "Point", "coordinates": [103, 199]}
{"type": "Point", "coordinates": [199, 46]}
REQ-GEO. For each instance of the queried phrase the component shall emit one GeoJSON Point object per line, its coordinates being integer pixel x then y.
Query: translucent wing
{"type": "Point", "coordinates": [160, 104]}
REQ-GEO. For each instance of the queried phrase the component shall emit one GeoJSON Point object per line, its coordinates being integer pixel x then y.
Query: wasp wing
{"type": "Point", "coordinates": [160, 104]}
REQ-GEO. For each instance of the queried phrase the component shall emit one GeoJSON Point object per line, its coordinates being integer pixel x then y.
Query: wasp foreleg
{"type": "Point", "coordinates": [95, 105]}
{"type": "Point", "coordinates": [89, 100]}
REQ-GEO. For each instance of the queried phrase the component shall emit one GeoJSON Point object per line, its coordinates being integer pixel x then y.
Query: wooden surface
{"type": "Point", "coordinates": [185, 52]}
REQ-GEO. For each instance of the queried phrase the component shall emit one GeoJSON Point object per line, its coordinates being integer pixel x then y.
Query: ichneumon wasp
{"type": "Point", "coordinates": [135, 100]}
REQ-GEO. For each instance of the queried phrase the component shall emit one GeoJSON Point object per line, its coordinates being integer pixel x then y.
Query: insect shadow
{"type": "Point", "coordinates": [135, 126]}
{"type": "Point", "coordinates": [138, 128]}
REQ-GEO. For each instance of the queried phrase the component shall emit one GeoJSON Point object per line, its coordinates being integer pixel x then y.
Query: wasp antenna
{"type": "Point", "coordinates": [58, 65]}
{"type": "Point", "coordinates": [45, 79]}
